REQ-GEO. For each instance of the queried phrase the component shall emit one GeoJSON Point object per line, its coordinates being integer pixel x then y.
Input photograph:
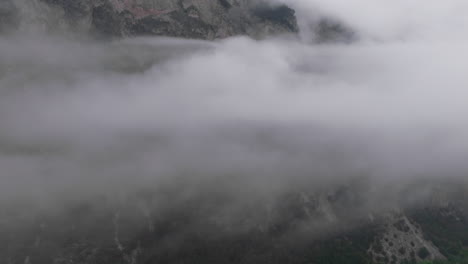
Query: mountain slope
{"type": "Point", "coordinates": [294, 227]}
{"type": "Point", "coordinates": [201, 19]}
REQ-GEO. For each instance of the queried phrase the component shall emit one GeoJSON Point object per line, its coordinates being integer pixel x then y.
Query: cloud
{"type": "Point", "coordinates": [87, 117]}
{"type": "Point", "coordinates": [393, 20]}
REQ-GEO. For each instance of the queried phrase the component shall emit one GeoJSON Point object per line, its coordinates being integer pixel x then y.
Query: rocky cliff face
{"type": "Point", "coordinates": [201, 19]}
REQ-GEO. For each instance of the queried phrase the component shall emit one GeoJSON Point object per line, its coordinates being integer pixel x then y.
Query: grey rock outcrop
{"type": "Point", "coordinates": [200, 19]}
{"type": "Point", "coordinates": [402, 241]}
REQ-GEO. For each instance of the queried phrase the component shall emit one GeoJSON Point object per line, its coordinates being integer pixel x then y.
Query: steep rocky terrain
{"type": "Point", "coordinates": [215, 227]}
{"type": "Point", "coordinates": [202, 19]}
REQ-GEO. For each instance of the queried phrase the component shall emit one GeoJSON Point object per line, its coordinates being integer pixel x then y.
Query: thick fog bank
{"type": "Point", "coordinates": [87, 117]}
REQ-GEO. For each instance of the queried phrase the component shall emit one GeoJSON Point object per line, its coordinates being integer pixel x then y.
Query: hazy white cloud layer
{"type": "Point", "coordinates": [399, 20]}
{"type": "Point", "coordinates": [85, 116]}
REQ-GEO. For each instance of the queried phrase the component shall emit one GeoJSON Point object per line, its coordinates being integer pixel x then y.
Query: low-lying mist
{"type": "Point", "coordinates": [80, 117]}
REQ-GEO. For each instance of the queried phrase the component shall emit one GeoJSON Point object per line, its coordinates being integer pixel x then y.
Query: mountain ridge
{"type": "Point", "coordinates": [199, 19]}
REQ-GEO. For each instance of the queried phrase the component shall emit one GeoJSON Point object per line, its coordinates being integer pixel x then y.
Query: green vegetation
{"type": "Point", "coordinates": [446, 228]}
{"type": "Point", "coordinates": [462, 258]}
